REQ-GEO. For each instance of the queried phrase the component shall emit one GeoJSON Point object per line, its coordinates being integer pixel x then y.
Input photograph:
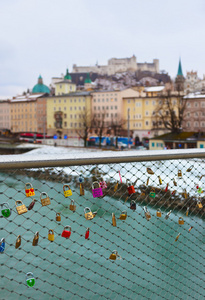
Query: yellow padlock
{"type": "Point", "coordinates": [181, 221]}
{"type": "Point", "coordinates": [51, 235]}
{"type": "Point", "coordinates": [159, 213]}
{"type": "Point", "coordinates": [82, 190]}
{"type": "Point", "coordinates": [160, 180]}
{"type": "Point", "coordinates": [113, 220]}
{"type": "Point", "coordinates": [18, 242]}
{"type": "Point", "coordinates": [123, 215]}
{"type": "Point", "coordinates": [199, 204]}
{"type": "Point", "coordinates": [114, 255]}
{"type": "Point", "coordinates": [67, 190]}
{"type": "Point", "coordinates": [147, 213]}
{"type": "Point", "coordinates": [116, 186]}
{"type": "Point", "coordinates": [58, 217]}
{"type": "Point", "coordinates": [89, 215]}
{"type": "Point", "coordinates": [179, 173]}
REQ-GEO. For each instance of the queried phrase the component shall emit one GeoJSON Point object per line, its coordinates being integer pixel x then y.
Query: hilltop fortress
{"type": "Point", "coordinates": [119, 65]}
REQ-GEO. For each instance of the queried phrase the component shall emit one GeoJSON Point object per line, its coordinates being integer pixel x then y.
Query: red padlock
{"type": "Point", "coordinates": [31, 205]}
{"type": "Point", "coordinates": [87, 233]}
{"type": "Point", "coordinates": [131, 189]}
{"type": "Point", "coordinates": [66, 233]}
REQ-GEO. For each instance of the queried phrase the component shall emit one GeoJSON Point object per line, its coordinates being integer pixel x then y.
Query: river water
{"type": "Point", "coordinates": [153, 265]}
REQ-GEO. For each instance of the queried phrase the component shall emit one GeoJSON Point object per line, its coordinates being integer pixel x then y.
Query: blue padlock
{"type": "Point", "coordinates": [2, 245]}
{"type": "Point", "coordinates": [80, 179]}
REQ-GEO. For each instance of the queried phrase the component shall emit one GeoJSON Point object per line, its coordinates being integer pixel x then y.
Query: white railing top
{"type": "Point", "coordinates": [91, 158]}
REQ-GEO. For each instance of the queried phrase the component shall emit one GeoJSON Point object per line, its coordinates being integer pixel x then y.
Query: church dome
{"type": "Point", "coordinates": [87, 79]}
{"type": "Point", "coordinates": [67, 76]}
{"type": "Point", "coordinates": [40, 87]}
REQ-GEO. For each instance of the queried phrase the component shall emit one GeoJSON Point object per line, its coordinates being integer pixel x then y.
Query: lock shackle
{"type": "Point", "coordinates": [50, 231]}
{"type": "Point", "coordinates": [152, 190]}
{"type": "Point", "coordinates": [2, 241]}
{"type": "Point", "coordinates": [66, 186]}
{"type": "Point", "coordinates": [72, 202]}
{"type": "Point", "coordinates": [18, 201]}
{"type": "Point", "coordinates": [80, 178]}
{"type": "Point", "coordinates": [180, 218]}
{"type": "Point", "coordinates": [128, 182]}
{"type": "Point", "coordinates": [145, 209]}
{"type": "Point", "coordinates": [95, 183]}
{"type": "Point", "coordinates": [132, 201]}
{"type": "Point", "coordinates": [117, 255]}
{"type": "Point", "coordinates": [36, 235]}
{"type": "Point", "coordinates": [43, 193]}
{"type": "Point", "coordinates": [58, 214]}
{"type": "Point", "coordinates": [5, 204]}
{"type": "Point", "coordinates": [69, 227]}
{"type": "Point", "coordinates": [29, 274]}
{"type": "Point", "coordinates": [18, 237]}
{"type": "Point", "coordinates": [87, 208]}
{"type": "Point", "coordinates": [28, 183]}
{"type": "Point", "coordinates": [158, 210]}
{"type": "Point", "coordinates": [123, 212]}
{"type": "Point", "coordinates": [198, 202]}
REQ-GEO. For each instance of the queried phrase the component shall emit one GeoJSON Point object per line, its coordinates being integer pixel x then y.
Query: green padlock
{"type": "Point", "coordinates": [30, 280]}
{"type": "Point", "coordinates": [6, 212]}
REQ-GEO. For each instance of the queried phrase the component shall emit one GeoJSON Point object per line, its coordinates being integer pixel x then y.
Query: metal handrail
{"type": "Point", "coordinates": [91, 158]}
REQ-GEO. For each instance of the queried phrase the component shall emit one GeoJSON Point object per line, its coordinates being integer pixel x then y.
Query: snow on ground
{"type": "Point", "coordinates": [167, 170]}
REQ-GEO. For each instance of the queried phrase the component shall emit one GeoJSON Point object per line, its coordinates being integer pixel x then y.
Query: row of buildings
{"type": "Point", "coordinates": [67, 110]}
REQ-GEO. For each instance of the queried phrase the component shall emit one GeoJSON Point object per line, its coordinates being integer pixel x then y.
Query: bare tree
{"type": "Point", "coordinates": [99, 125]}
{"type": "Point", "coordinates": [116, 125]}
{"type": "Point", "coordinates": [84, 127]}
{"type": "Point", "coordinates": [169, 113]}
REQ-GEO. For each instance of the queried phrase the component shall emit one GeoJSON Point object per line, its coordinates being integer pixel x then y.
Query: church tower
{"type": "Point", "coordinates": [179, 80]}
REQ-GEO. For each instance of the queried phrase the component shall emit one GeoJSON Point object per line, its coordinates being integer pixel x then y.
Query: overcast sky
{"type": "Point", "coordinates": [47, 36]}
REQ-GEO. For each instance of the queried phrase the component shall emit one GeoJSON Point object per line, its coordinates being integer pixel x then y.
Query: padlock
{"type": "Point", "coordinates": [187, 211]}
{"type": "Point", "coordinates": [29, 190]}
{"type": "Point", "coordinates": [147, 213]}
{"type": "Point", "coordinates": [123, 215]}
{"type": "Point", "coordinates": [179, 173]}
{"type": "Point", "coordinates": [114, 255]}
{"type": "Point", "coordinates": [89, 215]}
{"type": "Point", "coordinates": [51, 235]}
{"type": "Point", "coordinates": [147, 183]}
{"type": "Point", "coordinates": [103, 184]}
{"type": "Point", "coordinates": [18, 242]}
{"type": "Point", "coordinates": [168, 214]}
{"type": "Point", "coordinates": [159, 213]}
{"type": "Point", "coordinates": [177, 237]}
{"type": "Point", "coordinates": [152, 193]}
{"type": "Point", "coordinates": [82, 190]}
{"type": "Point", "coordinates": [199, 204]}
{"type": "Point", "coordinates": [30, 280]}
{"type": "Point", "coordinates": [190, 228]}
{"type": "Point", "coordinates": [97, 192]}
{"type": "Point", "coordinates": [199, 190]}
{"type": "Point", "coordinates": [35, 239]}
{"type": "Point", "coordinates": [181, 221]}
{"type": "Point", "coordinates": [45, 201]}
{"type": "Point", "coordinates": [66, 233]}
{"type": "Point", "coordinates": [6, 212]}
{"type": "Point", "coordinates": [67, 190]}
{"type": "Point", "coordinates": [132, 205]}
{"type": "Point", "coordinates": [149, 171]}
{"type": "Point", "coordinates": [166, 188]}
{"type": "Point", "coordinates": [142, 193]}
{"type": "Point", "coordinates": [72, 205]}
{"type": "Point", "coordinates": [31, 205]}
{"type": "Point", "coordinates": [87, 233]}
{"type": "Point", "coordinates": [130, 188]}
{"type": "Point", "coordinates": [58, 217]}
{"type": "Point", "coordinates": [160, 180]}
{"type": "Point", "coordinates": [113, 220]}
{"type": "Point", "coordinates": [173, 192]}
{"type": "Point", "coordinates": [2, 245]}
{"type": "Point", "coordinates": [116, 186]}
{"type": "Point", "coordinates": [175, 183]}
{"type": "Point", "coordinates": [80, 179]}
{"type": "Point", "coordinates": [22, 208]}
{"type": "Point", "coordinates": [184, 194]}
{"type": "Point", "coordinates": [189, 169]}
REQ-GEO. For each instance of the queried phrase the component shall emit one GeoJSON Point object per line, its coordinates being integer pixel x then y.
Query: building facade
{"type": "Point", "coordinates": [119, 65]}
{"type": "Point", "coordinates": [5, 116]}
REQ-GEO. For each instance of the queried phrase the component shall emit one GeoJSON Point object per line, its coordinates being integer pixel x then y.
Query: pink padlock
{"type": "Point", "coordinates": [103, 184]}
{"type": "Point", "coordinates": [66, 233]}
{"type": "Point", "coordinates": [97, 192]}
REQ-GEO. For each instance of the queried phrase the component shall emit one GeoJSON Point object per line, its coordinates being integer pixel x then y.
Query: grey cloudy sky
{"type": "Point", "coordinates": [47, 36]}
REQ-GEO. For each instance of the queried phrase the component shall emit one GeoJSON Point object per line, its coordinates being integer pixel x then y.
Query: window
{"type": "Point", "coordinates": [65, 124]}
{"type": "Point", "coordinates": [103, 100]}
{"type": "Point", "coordinates": [111, 107]}
{"type": "Point", "coordinates": [153, 102]}
{"type": "Point", "coordinates": [115, 99]}
{"type": "Point", "coordinates": [94, 100]}
{"type": "Point", "coordinates": [64, 100]}
{"type": "Point", "coordinates": [59, 108]}
{"type": "Point", "coordinates": [60, 86]}
{"type": "Point", "coordinates": [54, 100]}
{"type": "Point", "coordinates": [196, 114]}
{"type": "Point", "coordinates": [147, 123]}
{"type": "Point", "coordinates": [146, 113]}
{"type": "Point", "coordinates": [128, 101]}
{"type": "Point", "coordinates": [65, 115]}
{"type": "Point", "coordinates": [107, 99]}
{"type": "Point", "coordinates": [70, 87]}
{"type": "Point", "coordinates": [71, 124]}
{"type": "Point", "coordinates": [71, 108]}
{"type": "Point", "coordinates": [79, 100]}
{"type": "Point", "coordinates": [98, 100]}
{"type": "Point", "coordinates": [188, 124]}
{"type": "Point", "coordinates": [98, 107]}
{"type": "Point", "coordinates": [147, 102]}
{"type": "Point", "coordinates": [115, 107]}
{"type": "Point", "coordinates": [202, 104]}
{"type": "Point", "coordinates": [201, 146]}
{"type": "Point", "coordinates": [75, 100]}
{"type": "Point", "coordinates": [75, 108]}
{"type": "Point", "coordinates": [195, 104]}
{"type": "Point", "coordinates": [196, 124]}
{"type": "Point", "coordinates": [71, 100]}
{"type": "Point", "coordinates": [59, 100]}
{"type": "Point", "coordinates": [188, 104]}
{"type": "Point", "coordinates": [94, 107]}
{"type": "Point", "coordinates": [153, 144]}
{"type": "Point", "coordinates": [54, 108]}
{"type": "Point", "coordinates": [64, 108]}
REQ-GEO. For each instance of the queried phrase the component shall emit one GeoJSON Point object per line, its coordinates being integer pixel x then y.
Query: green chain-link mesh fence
{"type": "Point", "coordinates": [156, 258]}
